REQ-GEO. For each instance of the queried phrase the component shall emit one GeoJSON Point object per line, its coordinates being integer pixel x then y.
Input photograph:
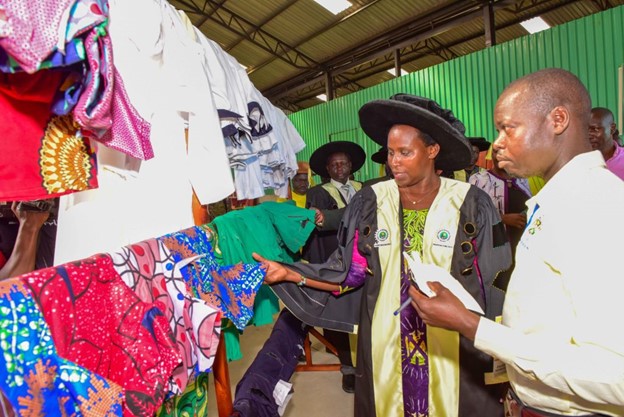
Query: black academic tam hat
{"type": "Point", "coordinates": [381, 156]}
{"type": "Point", "coordinates": [480, 143]}
{"type": "Point", "coordinates": [318, 160]}
{"type": "Point", "coordinates": [378, 116]}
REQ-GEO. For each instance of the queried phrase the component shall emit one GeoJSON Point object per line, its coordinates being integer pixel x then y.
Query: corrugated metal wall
{"type": "Point", "coordinates": [591, 47]}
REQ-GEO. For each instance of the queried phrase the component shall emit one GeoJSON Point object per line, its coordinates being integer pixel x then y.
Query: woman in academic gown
{"type": "Point", "coordinates": [405, 368]}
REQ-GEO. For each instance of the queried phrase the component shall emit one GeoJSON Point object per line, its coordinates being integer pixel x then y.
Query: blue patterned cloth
{"type": "Point", "coordinates": [33, 377]}
{"type": "Point", "coordinates": [232, 289]}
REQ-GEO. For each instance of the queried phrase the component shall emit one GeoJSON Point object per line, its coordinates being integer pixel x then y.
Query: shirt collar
{"type": "Point", "coordinates": [570, 173]}
{"type": "Point", "coordinates": [339, 184]}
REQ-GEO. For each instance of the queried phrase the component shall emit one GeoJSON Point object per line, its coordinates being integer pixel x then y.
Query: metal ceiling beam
{"type": "Point", "coordinates": [258, 36]}
{"type": "Point", "coordinates": [416, 53]}
{"type": "Point", "coordinates": [603, 4]}
{"type": "Point", "coordinates": [421, 28]}
{"type": "Point", "coordinates": [251, 70]}
{"type": "Point", "coordinates": [489, 24]}
{"type": "Point", "coordinates": [261, 24]}
{"type": "Point", "coordinates": [308, 78]}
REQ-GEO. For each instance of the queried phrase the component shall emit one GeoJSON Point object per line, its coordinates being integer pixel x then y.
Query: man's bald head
{"type": "Point", "coordinates": [542, 120]}
{"type": "Point", "coordinates": [546, 89]}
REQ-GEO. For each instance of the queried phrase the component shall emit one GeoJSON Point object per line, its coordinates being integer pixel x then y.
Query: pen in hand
{"type": "Point", "coordinates": [408, 301]}
{"type": "Point", "coordinates": [405, 304]}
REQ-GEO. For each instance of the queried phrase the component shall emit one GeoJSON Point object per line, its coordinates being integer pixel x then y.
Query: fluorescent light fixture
{"type": "Point", "coordinates": [393, 72]}
{"type": "Point", "coordinates": [334, 6]}
{"type": "Point", "coordinates": [537, 24]}
{"type": "Point", "coordinates": [322, 97]}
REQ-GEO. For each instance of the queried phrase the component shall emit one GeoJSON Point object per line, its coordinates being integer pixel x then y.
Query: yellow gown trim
{"type": "Point", "coordinates": [443, 346]}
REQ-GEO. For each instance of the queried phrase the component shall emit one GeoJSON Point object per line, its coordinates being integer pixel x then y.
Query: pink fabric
{"type": "Point", "coordinates": [104, 109]}
{"type": "Point", "coordinates": [93, 109]}
{"type": "Point", "coordinates": [130, 133]}
{"type": "Point", "coordinates": [357, 271]}
{"type": "Point", "coordinates": [32, 29]}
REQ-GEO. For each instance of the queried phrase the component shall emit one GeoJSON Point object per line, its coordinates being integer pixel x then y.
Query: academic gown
{"type": "Point", "coordinates": [456, 368]}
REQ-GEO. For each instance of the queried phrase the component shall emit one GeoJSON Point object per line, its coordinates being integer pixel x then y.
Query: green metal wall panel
{"type": "Point", "coordinates": [591, 47]}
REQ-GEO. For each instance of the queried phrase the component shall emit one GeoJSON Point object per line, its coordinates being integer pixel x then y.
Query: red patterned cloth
{"type": "Point", "coordinates": [99, 323]}
{"type": "Point", "coordinates": [42, 155]}
{"type": "Point", "coordinates": [148, 268]}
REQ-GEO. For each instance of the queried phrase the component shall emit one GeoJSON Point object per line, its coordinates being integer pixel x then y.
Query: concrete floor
{"type": "Point", "coordinates": [317, 394]}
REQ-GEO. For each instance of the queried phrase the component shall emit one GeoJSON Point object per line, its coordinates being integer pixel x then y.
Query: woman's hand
{"type": "Point", "coordinates": [275, 272]}
{"type": "Point", "coordinates": [517, 220]}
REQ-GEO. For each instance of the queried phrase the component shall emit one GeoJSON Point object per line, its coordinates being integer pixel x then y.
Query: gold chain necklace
{"type": "Point", "coordinates": [426, 194]}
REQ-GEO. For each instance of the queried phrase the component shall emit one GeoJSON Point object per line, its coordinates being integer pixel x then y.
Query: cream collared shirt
{"type": "Point", "coordinates": [347, 195]}
{"type": "Point", "coordinates": [563, 337]}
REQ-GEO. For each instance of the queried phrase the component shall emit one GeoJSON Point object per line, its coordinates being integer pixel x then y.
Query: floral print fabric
{"type": "Point", "coordinates": [35, 379]}
{"type": "Point", "coordinates": [232, 289]}
{"type": "Point", "coordinates": [148, 268]}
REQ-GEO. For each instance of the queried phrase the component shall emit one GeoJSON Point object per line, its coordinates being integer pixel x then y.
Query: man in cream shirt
{"type": "Point", "coordinates": [560, 336]}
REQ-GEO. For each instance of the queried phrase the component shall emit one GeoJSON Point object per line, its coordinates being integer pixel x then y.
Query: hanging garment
{"type": "Point", "coordinates": [192, 403]}
{"type": "Point", "coordinates": [159, 54]}
{"type": "Point", "coordinates": [230, 288]}
{"type": "Point", "coordinates": [104, 110]}
{"type": "Point", "coordinates": [74, 52]}
{"type": "Point", "coordinates": [33, 376]}
{"type": "Point", "coordinates": [43, 156]}
{"type": "Point", "coordinates": [32, 29]}
{"type": "Point", "coordinates": [100, 324]}
{"type": "Point", "coordinates": [149, 270]}
{"type": "Point", "coordinates": [274, 230]}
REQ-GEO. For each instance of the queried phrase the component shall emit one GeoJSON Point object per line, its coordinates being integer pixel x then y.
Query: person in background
{"type": "Point", "coordinates": [405, 368]}
{"type": "Point", "coordinates": [601, 131]}
{"type": "Point", "coordinates": [385, 173]}
{"type": "Point", "coordinates": [477, 146]}
{"type": "Point", "coordinates": [23, 253]}
{"type": "Point", "coordinates": [509, 195]}
{"type": "Point", "coordinates": [563, 351]}
{"type": "Point", "coordinates": [300, 184]}
{"type": "Point", "coordinates": [338, 161]}
{"type": "Point", "coordinates": [617, 138]}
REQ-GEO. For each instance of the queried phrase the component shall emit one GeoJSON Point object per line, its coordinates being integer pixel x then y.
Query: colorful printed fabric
{"type": "Point", "coordinates": [85, 15]}
{"type": "Point", "coordinates": [99, 323]}
{"type": "Point", "coordinates": [104, 110]}
{"type": "Point", "coordinates": [33, 377]}
{"type": "Point", "coordinates": [74, 52]}
{"type": "Point", "coordinates": [275, 230]}
{"type": "Point", "coordinates": [192, 403]}
{"type": "Point", "coordinates": [32, 29]}
{"type": "Point", "coordinates": [414, 355]}
{"type": "Point", "coordinates": [232, 289]}
{"type": "Point", "coordinates": [42, 156]}
{"type": "Point", "coordinates": [149, 270]}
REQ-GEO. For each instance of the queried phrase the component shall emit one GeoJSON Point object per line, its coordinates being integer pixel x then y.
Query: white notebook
{"type": "Point", "coordinates": [422, 273]}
